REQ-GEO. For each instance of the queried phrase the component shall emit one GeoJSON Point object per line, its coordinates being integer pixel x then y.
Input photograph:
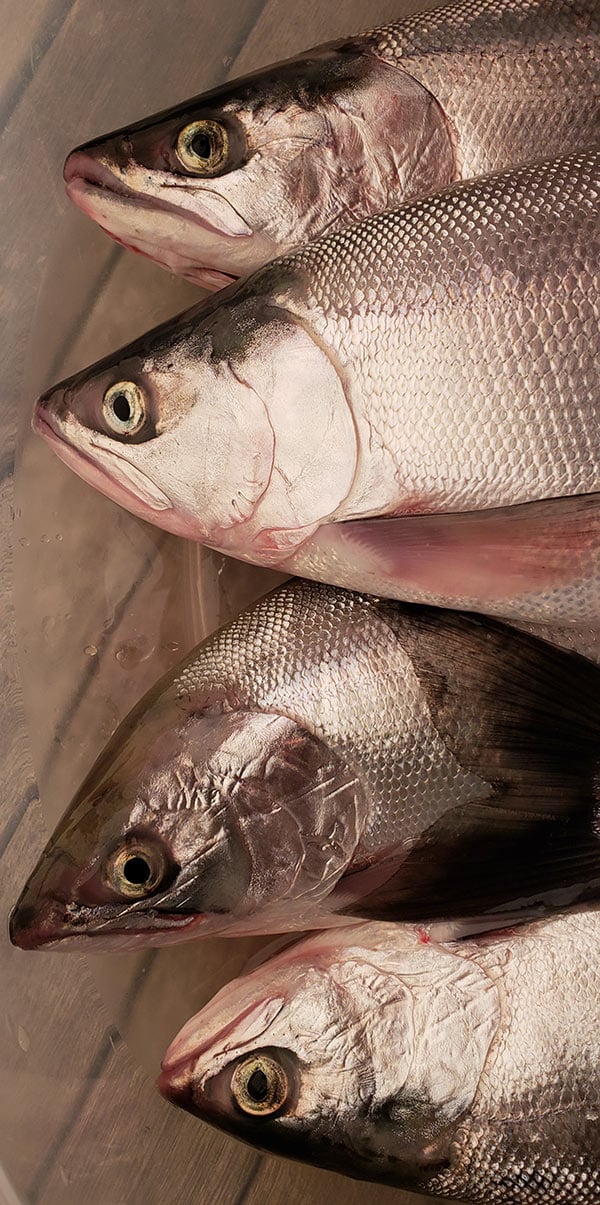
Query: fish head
{"type": "Point", "coordinates": [339, 1052]}
{"type": "Point", "coordinates": [219, 185]}
{"type": "Point", "coordinates": [214, 426]}
{"type": "Point", "coordinates": [194, 822]}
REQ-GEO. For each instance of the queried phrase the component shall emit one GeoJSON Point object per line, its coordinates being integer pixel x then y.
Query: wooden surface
{"type": "Point", "coordinates": [95, 605]}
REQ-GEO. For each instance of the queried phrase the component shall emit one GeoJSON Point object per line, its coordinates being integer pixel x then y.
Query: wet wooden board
{"type": "Point", "coordinates": [80, 1119]}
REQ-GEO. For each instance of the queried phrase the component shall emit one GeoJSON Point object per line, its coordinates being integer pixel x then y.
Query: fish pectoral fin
{"type": "Point", "coordinates": [481, 858]}
{"type": "Point", "coordinates": [538, 560]}
{"type": "Point", "coordinates": [367, 880]}
{"type": "Point", "coordinates": [275, 544]}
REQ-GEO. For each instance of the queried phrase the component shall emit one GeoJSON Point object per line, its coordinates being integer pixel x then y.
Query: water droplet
{"type": "Point", "coordinates": [172, 646]}
{"type": "Point", "coordinates": [133, 652]}
{"type": "Point", "coordinates": [45, 539]}
{"type": "Point", "coordinates": [58, 536]}
{"type": "Point", "coordinates": [23, 1039]}
{"type": "Point", "coordinates": [23, 542]}
{"type": "Point", "coordinates": [90, 650]}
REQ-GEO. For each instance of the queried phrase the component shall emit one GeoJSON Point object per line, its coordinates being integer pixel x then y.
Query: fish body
{"type": "Point", "coordinates": [436, 360]}
{"type": "Point", "coordinates": [329, 755]}
{"type": "Point", "coordinates": [466, 1070]}
{"type": "Point", "coordinates": [222, 183]}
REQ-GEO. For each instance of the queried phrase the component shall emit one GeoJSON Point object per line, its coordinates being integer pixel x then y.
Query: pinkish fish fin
{"type": "Point", "coordinates": [539, 561]}
{"type": "Point", "coordinates": [276, 544]}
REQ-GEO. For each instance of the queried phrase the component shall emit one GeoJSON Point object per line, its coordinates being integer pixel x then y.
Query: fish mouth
{"type": "Point", "coordinates": [46, 926]}
{"type": "Point", "coordinates": [140, 491]}
{"type": "Point", "coordinates": [91, 184]}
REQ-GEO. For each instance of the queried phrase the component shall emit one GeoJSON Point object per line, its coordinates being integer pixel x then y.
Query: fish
{"type": "Point", "coordinates": [220, 184]}
{"type": "Point", "coordinates": [327, 756]}
{"type": "Point", "coordinates": [464, 1070]}
{"type": "Point", "coordinates": [333, 414]}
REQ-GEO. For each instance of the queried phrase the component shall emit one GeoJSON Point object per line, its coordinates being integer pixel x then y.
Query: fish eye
{"type": "Point", "coordinates": [259, 1085]}
{"type": "Point", "coordinates": [135, 869]}
{"type": "Point", "coordinates": [202, 147]}
{"type": "Point", "coordinates": [124, 407]}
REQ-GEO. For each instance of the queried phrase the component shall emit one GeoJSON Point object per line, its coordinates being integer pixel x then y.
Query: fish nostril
{"type": "Point", "coordinates": [45, 398]}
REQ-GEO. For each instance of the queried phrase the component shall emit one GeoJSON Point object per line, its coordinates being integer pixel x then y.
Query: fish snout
{"type": "Point", "coordinates": [176, 1083]}
{"type": "Point", "coordinates": [41, 914]}
{"type": "Point", "coordinates": [95, 180]}
{"type": "Point", "coordinates": [32, 926]}
{"type": "Point", "coordinates": [100, 164]}
{"type": "Point", "coordinates": [46, 410]}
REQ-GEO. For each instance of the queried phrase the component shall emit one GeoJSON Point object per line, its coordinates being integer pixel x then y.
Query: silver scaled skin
{"type": "Point", "coordinates": [467, 1070]}
{"type": "Point", "coordinates": [325, 756]}
{"type": "Point", "coordinates": [348, 130]}
{"type": "Point", "coordinates": [435, 360]}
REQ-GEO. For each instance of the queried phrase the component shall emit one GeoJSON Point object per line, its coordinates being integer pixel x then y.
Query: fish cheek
{"type": "Point", "coordinates": [215, 884]}
{"type": "Point", "coordinates": [411, 1138]}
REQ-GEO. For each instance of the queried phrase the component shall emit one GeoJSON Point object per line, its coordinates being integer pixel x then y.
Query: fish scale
{"type": "Point", "coordinates": [496, 408]}
{"type": "Point", "coordinates": [464, 53]}
{"type": "Point", "coordinates": [343, 695]}
{"type": "Point", "coordinates": [553, 1094]}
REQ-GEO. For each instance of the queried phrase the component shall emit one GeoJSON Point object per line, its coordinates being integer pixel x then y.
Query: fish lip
{"type": "Point", "coordinates": [48, 932]}
{"type": "Point", "coordinates": [79, 166]}
{"type": "Point", "coordinates": [86, 176]}
{"type": "Point", "coordinates": [42, 425]}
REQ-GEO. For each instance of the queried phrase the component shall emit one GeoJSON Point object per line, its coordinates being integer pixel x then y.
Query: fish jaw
{"type": "Point", "coordinates": [133, 491]}
{"type": "Point", "coordinates": [168, 233]}
{"type": "Point", "coordinates": [50, 924]}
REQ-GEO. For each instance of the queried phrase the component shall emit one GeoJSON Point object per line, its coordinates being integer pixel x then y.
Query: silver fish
{"type": "Point", "coordinates": [440, 359]}
{"type": "Point", "coordinates": [222, 183]}
{"type": "Point", "coordinates": [325, 756]}
{"type": "Point", "coordinates": [466, 1070]}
